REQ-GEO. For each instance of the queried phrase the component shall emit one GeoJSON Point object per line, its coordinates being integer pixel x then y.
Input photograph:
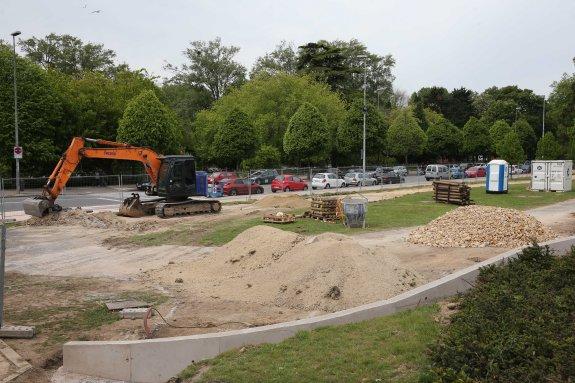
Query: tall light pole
{"type": "Point", "coordinates": [364, 57]}
{"type": "Point", "coordinates": [543, 117]}
{"type": "Point", "coordinates": [14, 34]}
{"type": "Point", "coordinates": [378, 92]}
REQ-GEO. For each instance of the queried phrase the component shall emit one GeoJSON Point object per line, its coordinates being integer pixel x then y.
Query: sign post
{"type": "Point", "coordinates": [18, 152]}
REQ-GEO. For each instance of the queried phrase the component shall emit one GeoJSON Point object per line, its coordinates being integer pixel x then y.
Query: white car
{"type": "Point", "coordinates": [326, 181]}
{"type": "Point", "coordinates": [516, 169]}
{"type": "Point", "coordinates": [358, 178]}
{"type": "Point", "coordinates": [400, 171]}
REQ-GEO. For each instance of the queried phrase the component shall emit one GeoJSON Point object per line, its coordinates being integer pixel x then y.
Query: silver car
{"type": "Point", "coordinates": [357, 179]}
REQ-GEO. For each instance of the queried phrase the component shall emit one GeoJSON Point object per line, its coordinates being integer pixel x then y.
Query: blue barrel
{"type": "Point", "coordinates": [202, 183]}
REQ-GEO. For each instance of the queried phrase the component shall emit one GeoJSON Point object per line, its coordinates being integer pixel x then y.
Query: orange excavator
{"type": "Point", "coordinates": [172, 179]}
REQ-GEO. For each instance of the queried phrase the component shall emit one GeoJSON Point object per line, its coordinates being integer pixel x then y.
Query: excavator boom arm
{"type": "Point", "coordinates": [116, 151]}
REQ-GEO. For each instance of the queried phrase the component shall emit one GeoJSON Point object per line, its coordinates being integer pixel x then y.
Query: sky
{"type": "Point", "coordinates": [450, 43]}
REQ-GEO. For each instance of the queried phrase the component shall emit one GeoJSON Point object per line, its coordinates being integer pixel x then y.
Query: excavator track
{"type": "Point", "coordinates": [188, 207]}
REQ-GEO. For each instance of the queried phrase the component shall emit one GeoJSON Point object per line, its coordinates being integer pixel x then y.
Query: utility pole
{"type": "Point", "coordinates": [16, 144]}
{"type": "Point", "coordinates": [543, 118]}
{"type": "Point", "coordinates": [363, 153]}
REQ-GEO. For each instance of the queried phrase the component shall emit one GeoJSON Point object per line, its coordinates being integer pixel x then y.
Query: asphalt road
{"type": "Point", "coordinates": [95, 197]}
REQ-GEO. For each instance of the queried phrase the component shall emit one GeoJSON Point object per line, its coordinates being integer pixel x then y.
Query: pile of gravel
{"type": "Point", "coordinates": [481, 226]}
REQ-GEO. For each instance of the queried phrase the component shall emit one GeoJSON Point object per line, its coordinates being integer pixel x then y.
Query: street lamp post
{"type": "Point", "coordinates": [364, 57]}
{"type": "Point", "coordinates": [543, 117]}
{"type": "Point", "coordinates": [14, 34]}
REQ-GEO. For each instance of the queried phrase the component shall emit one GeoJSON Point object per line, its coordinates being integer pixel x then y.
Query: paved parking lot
{"type": "Point", "coordinates": [96, 197]}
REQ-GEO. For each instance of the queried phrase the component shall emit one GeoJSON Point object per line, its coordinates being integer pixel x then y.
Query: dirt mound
{"type": "Point", "coordinates": [101, 220]}
{"type": "Point", "coordinates": [481, 226]}
{"type": "Point", "coordinates": [291, 201]}
{"type": "Point", "coordinates": [269, 266]}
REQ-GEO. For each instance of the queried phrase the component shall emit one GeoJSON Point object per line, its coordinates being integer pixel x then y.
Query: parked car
{"type": "Point", "coordinates": [474, 172]}
{"type": "Point", "coordinates": [388, 176]}
{"type": "Point", "coordinates": [400, 170]}
{"type": "Point", "coordinates": [456, 173]}
{"type": "Point", "coordinates": [218, 176]}
{"type": "Point", "coordinates": [238, 186]}
{"type": "Point", "coordinates": [335, 171]}
{"type": "Point", "coordinates": [288, 182]}
{"type": "Point", "coordinates": [265, 176]}
{"type": "Point", "coordinates": [143, 186]}
{"type": "Point", "coordinates": [516, 169]}
{"type": "Point", "coordinates": [357, 179]}
{"type": "Point", "coordinates": [436, 172]}
{"type": "Point", "coordinates": [326, 181]}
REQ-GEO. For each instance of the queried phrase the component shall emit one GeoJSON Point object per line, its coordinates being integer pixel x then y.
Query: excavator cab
{"type": "Point", "coordinates": [177, 178]}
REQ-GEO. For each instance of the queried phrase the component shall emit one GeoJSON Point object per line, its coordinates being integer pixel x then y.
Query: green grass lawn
{"type": "Point", "coordinates": [410, 210]}
{"type": "Point", "coordinates": [388, 349]}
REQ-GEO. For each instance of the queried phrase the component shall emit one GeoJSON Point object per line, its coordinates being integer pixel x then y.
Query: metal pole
{"type": "Point", "coordinates": [364, 112]}
{"type": "Point", "coordinates": [16, 111]}
{"type": "Point", "coordinates": [249, 185]}
{"type": "Point", "coordinates": [2, 251]}
{"type": "Point", "coordinates": [543, 118]}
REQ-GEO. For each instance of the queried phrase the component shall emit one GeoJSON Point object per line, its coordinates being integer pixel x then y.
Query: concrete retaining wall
{"type": "Point", "coordinates": [156, 360]}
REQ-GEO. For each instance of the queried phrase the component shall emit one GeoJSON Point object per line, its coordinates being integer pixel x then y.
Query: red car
{"type": "Point", "coordinates": [475, 171]}
{"type": "Point", "coordinates": [239, 186]}
{"type": "Point", "coordinates": [218, 176]}
{"type": "Point", "coordinates": [287, 182]}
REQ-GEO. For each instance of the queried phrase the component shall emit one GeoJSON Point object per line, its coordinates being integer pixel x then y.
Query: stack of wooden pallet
{"type": "Point", "coordinates": [324, 208]}
{"type": "Point", "coordinates": [453, 192]}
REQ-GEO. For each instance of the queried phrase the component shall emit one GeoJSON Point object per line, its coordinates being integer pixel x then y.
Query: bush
{"type": "Point", "coordinates": [516, 325]}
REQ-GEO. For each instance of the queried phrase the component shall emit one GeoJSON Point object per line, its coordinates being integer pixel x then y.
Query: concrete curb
{"type": "Point", "coordinates": [157, 360]}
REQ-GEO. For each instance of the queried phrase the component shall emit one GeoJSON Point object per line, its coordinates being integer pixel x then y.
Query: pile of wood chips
{"type": "Point", "coordinates": [481, 226]}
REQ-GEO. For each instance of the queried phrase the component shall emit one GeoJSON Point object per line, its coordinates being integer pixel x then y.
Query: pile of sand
{"type": "Point", "coordinates": [268, 266]}
{"type": "Point", "coordinates": [481, 226]}
{"type": "Point", "coordinates": [101, 220]}
{"type": "Point", "coordinates": [291, 201]}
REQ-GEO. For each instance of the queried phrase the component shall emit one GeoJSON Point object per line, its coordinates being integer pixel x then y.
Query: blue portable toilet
{"type": "Point", "coordinates": [497, 176]}
{"type": "Point", "coordinates": [201, 183]}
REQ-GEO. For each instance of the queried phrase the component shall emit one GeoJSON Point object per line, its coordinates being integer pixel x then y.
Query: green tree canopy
{"type": "Point", "coordinates": [269, 102]}
{"type": "Point", "coordinates": [350, 133]}
{"type": "Point", "coordinates": [405, 138]}
{"type": "Point", "coordinates": [68, 54]}
{"type": "Point", "coordinates": [561, 109]}
{"type": "Point", "coordinates": [147, 122]}
{"type": "Point", "coordinates": [444, 139]}
{"type": "Point", "coordinates": [526, 136]}
{"type": "Point", "coordinates": [476, 138]}
{"type": "Point", "coordinates": [282, 59]}
{"type": "Point", "coordinates": [510, 148]}
{"type": "Point", "coordinates": [211, 66]}
{"type": "Point", "coordinates": [548, 148]}
{"type": "Point", "coordinates": [266, 156]}
{"type": "Point", "coordinates": [39, 115]}
{"type": "Point", "coordinates": [497, 133]}
{"type": "Point", "coordinates": [234, 140]}
{"type": "Point", "coordinates": [307, 140]}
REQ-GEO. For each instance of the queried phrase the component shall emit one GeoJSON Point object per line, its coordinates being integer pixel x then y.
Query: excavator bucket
{"type": "Point", "coordinates": [37, 206]}
{"type": "Point", "coordinates": [134, 207]}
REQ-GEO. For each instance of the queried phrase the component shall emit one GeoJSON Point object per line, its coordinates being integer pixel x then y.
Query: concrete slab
{"type": "Point", "coordinates": [137, 313]}
{"type": "Point", "coordinates": [24, 332]}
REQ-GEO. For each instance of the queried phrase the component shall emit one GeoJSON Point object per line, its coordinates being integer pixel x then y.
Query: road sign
{"type": "Point", "coordinates": [18, 152]}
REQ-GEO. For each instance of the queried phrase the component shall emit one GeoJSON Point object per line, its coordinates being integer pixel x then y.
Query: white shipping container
{"type": "Point", "coordinates": [551, 175]}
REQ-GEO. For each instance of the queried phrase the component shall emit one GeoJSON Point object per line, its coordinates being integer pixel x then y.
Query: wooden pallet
{"type": "Point", "coordinates": [279, 219]}
{"type": "Point", "coordinates": [452, 192]}
{"type": "Point", "coordinates": [324, 208]}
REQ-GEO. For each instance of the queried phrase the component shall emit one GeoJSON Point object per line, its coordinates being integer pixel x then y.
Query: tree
{"type": "Point", "coordinates": [307, 139]}
{"type": "Point", "coordinates": [561, 109]}
{"type": "Point", "coordinates": [324, 62]}
{"type": "Point", "coordinates": [444, 139]}
{"type": "Point", "coordinates": [460, 107]}
{"type": "Point", "coordinates": [68, 54]}
{"type": "Point", "coordinates": [350, 133]}
{"type": "Point", "coordinates": [211, 66]}
{"type": "Point", "coordinates": [234, 141]}
{"type": "Point", "coordinates": [282, 59]}
{"type": "Point", "coordinates": [476, 138]}
{"type": "Point", "coordinates": [497, 132]}
{"type": "Point", "coordinates": [39, 115]}
{"type": "Point", "coordinates": [435, 98]}
{"type": "Point", "coordinates": [510, 149]}
{"type": "Point", "coordinates": [526, 136]}
{"type": "Point", "coordinates": [147, 122]}
{"type": "Point", "coordinates": [548, 148]}
{"type": "Point", "coordinates": [571, 143]}
{"type": "Point", "coordinates": [405, 138]}
{"type": "Point", "coordinates": [266, 157]}
{"type": "Point", "coordinates": [269, 102]}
